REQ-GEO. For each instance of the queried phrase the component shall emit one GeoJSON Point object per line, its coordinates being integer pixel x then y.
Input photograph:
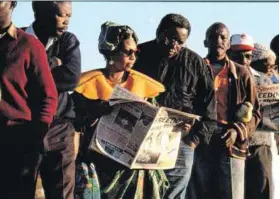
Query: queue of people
{"type": "Point", "coordinates": [49, 109]}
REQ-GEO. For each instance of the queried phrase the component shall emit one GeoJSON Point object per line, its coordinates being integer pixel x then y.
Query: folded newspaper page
{"type": "Point", "coordinates": [269, 102]}
{"type": "Point", "coordinates": [138, 134]}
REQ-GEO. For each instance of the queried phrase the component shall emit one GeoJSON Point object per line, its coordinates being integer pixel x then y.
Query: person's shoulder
{"type": "Point", "coordinates": [28, 41]}
{"type": "Point", "coordinates": [92, 85]}
{"type": "Point", "coordinates": [69, 36]}
{"type": "Point", "coordinates": [145, 78]}
{"type": "Point", "coordinates": [90, 75]}
{"type": "Point", "coordinates": [148, 45]}
{"type": "Point", "coordinates": [242, 71]}
{"type": "Point", "coordinates": [190, 54]}
{"type": "Point", "coordinates": [144, 85]}
{"type": "Point", "coordinates": [194, 60]}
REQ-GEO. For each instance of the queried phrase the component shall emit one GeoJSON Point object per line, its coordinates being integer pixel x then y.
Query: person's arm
{"type": "Point", "coordinates": [88, 110]}
{"type": "Point", "coordinates": [243, 129]}
{"type": "Point", "coordinates": [46, 93]}
{"type": "Point", "coordinates": [66, 70]}
{"type": "Point", "coordinates": [204, 106]}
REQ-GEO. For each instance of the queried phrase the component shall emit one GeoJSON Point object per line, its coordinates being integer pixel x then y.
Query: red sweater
{"type": "Point", "coordinates": [28, 89]}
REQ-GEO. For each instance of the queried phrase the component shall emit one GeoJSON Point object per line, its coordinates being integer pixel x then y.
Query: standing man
{"type": "Point", "coordinates": [260, 161]}
{"type": "Point", "coordinates": [189, 88]}
{"type": "Point", "coordinates": [219, 168]}
{"type": "Point", "coordinates": [28, 104]}
{"type": "Point", "coordinates": [57, 167]}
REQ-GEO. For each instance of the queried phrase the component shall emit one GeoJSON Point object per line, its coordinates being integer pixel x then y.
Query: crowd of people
{"type": "Point", "coordinates": [49, 109]}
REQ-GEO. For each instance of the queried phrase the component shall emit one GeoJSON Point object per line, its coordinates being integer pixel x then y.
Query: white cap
{"type": "Point", "coordinates": [241, 42]}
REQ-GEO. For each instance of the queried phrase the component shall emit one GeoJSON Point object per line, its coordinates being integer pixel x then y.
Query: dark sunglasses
{"type": "Point", "coordinates": [173, 42]}
{"type": "Point", "coordinates": [129, 53]}
{"type": "Point", "coordinates": [242, 55]}
{"type": "Point", "coordinates": [171, 39]}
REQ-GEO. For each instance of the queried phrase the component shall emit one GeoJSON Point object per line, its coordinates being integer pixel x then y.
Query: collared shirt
{"type": "Point", "coordinates": [50, 42]}
{"type": "Point", "coordinates": [12, 32]}
{"type": "Point", "coordinates": [221, 91]}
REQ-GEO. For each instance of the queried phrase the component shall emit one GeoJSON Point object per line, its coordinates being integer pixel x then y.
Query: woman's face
{"type": "Point", "coordinates": [125, 58]}
{"type": "Point", "coordinates": [266, 66]}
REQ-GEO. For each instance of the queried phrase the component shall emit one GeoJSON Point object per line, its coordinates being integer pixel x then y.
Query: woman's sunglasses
{"type": "Point", "coordinates": [130, 52]}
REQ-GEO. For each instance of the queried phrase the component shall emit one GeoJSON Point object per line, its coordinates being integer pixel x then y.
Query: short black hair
{"type": "Point", "coordinates": [44, 8]}
{"type": "Point", "coordinates": [274, 44]}
{"type": "Point", "coordinates": [14, 4]}
{"type": "Point", "coordinates": [215, 25]}
{"type": "Point", "coordinates": [173, 20]}
{"type": "Point", "coordinates": [41, 8]}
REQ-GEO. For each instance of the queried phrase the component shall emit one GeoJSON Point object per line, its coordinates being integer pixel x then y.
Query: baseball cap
{"type": "Point", "coordinates": [241, 42]}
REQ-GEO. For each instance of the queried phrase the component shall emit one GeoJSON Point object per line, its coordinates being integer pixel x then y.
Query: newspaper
{"type": "Point", "coordinates": [268, 94]}
{"type": "Point", "coordinates": [269, 102]}
{"type": "Point", "coordinates": [138, 134]}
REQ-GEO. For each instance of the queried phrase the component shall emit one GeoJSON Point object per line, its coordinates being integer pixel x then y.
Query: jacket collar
{"type": "Point", "coordinates": [232, 68]}
{"type": "Point", "coordinates": [51, 40]}
{"type": "Point", "coordinates": [230, 64]}
{"type": "Point", "coordinates": [12, 31]}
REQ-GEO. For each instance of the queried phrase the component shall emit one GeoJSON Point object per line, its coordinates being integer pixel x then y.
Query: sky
{"type": "Point", "coordinates": [261, 20]}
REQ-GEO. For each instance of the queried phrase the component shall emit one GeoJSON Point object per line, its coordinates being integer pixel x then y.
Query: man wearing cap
{"type": "Point", "coordinates": [260, 161]}
{"type": "Point", "coordinates": [218, 170]}
{"type": "Point", "coordinates": [27, 107]}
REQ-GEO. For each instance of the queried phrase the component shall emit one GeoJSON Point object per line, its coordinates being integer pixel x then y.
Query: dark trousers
{"type": "Point", "coordinates": [19, 153]}
{"type": "Point", "coordinates": [259, 173]}
{"type": "Point", "coordinates": [23, 158]}
{"type": "Point", "coordinates": [57, 166]}
{"type": "Point", "coordinates": [215, 175]}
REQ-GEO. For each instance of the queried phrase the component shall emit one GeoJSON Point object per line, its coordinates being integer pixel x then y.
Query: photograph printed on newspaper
{"type": "Point", "coordinates": [269, 102]}
{"type": "Point", "coordinates": [138, 134]}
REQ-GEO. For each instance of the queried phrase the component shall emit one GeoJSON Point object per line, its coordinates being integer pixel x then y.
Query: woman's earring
{"type": "Point", "coordinates": [111, 62]}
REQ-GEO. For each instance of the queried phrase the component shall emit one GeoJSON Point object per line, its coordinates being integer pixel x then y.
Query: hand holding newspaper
{"type": "Point", "coordinates": [138, 134]}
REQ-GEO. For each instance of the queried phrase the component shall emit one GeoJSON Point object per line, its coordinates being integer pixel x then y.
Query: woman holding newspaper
{"type": "Point", "coordinates": [109, 179]}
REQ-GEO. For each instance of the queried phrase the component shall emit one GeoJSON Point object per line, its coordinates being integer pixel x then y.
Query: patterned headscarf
{"type": "Point", "coordinates": [112, 35]}
{"type": "Point", "coordinates": [262, 52]}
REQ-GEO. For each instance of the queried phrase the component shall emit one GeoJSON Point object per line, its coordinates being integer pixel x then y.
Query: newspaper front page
{"type": "Point", "coordinates": [138, 134]}
{"type": "Point", "coordinates": [269, 102]}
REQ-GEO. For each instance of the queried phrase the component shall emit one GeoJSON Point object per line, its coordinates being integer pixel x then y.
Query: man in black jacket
{"type": "Point", "coordinates": [189, 88]}
{"type": "Point", "coordinates": [57, 167]}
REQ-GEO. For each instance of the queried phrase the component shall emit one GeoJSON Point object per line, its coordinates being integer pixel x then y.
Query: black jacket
{"type": "Point", "coordinates": [66, 76]}
{"type": "Point", "coordinates": [188, 83]}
